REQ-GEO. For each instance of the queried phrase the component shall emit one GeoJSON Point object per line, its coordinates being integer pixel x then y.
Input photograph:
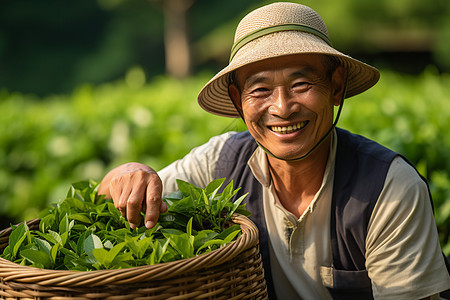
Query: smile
{"type": "Point", "coordinates": [288, 129]}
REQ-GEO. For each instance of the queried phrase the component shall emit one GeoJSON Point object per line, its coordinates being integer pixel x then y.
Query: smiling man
{"type": "Point", "coordinates": [339, 215]}
{"type": "Point", "coordinates": [288, 102]}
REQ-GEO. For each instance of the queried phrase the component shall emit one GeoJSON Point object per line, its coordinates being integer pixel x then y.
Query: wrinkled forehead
{"type": "Point", "coordinates": [311, 65]}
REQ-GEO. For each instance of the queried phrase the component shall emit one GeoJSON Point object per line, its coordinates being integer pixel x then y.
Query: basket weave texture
{"type": "Point", "coordinates": [234, 271]}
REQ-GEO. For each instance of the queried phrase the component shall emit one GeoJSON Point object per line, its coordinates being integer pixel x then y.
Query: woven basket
{"type": "Point", "coordinates": [231, 272]}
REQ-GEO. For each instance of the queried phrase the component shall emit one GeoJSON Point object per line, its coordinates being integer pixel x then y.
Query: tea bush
{"type": "Point", "coordinates": [47, 143]}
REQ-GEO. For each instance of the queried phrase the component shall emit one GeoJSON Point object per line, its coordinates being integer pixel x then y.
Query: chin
{"type": "Point", "coordinates": [287, 155]}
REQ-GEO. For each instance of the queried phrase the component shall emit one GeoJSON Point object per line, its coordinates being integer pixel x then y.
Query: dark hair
{"type": "Point", "coordinates": [331, 63]}
{"type": "Point", "coordinates": [233, 79]}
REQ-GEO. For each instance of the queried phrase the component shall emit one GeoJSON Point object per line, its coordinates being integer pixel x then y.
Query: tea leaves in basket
{"type": "Point", "coordinates": [86, 232]}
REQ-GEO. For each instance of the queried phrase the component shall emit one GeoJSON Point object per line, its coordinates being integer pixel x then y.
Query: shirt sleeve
{"type": "Point", "coordinates": [197, 167]}
{"type": "Point", "coordinates": [403, 255]}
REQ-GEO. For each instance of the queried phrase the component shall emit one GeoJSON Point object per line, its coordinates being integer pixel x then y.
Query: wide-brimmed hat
{"type": "Point", "coordinates": [274, 30]}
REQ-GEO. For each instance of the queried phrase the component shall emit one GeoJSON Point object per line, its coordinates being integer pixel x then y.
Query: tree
{"type": "Point", "coordinates": [176, 37]}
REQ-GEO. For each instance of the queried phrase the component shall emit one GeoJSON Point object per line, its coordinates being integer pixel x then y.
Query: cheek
{"type": "Point", "coordinates": [321, 102]}
{"type": "Point", "coordinates": [327, 115]}
{"type": "Point", "coordinates": [252, 109]}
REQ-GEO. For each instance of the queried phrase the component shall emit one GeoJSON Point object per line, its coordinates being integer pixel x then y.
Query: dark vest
{"type": "Point", "coordinates": [360, 171]}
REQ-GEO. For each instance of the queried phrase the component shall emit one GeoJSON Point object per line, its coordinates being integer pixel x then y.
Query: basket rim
{"type": "Point", "coordinates": [10, 271]}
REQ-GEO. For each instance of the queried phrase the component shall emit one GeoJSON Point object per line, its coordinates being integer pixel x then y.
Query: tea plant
{"type": "Point", "coordinates": [86, 232]}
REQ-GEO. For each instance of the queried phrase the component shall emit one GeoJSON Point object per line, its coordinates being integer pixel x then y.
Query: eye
{"type": "Point", "coordinates": [261, 91]}
{"type": "Point", "coordinates": [300, 84]}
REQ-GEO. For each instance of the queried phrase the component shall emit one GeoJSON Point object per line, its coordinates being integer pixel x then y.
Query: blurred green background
{"type": "Point", "coordinates": [87, 85]}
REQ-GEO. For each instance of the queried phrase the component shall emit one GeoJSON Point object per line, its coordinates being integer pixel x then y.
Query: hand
{"type": "Point", "coordinates": [135, 187]}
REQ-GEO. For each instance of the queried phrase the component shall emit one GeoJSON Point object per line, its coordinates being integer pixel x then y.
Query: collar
{"type": "Point", "coordinates": [259, 163]}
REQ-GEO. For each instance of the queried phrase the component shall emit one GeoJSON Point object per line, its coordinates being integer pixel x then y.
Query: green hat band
{"type": "Point", "coordinates": [267, 30]}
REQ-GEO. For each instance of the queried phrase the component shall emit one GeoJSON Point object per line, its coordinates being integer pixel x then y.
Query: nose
{"type": "Point", "coordinates": [282, 104]}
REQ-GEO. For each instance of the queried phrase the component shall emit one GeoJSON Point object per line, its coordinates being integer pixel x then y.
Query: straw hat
{"type": "Point", "coordinates": [279, 29]}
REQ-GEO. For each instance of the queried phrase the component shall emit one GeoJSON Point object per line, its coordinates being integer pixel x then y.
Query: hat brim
{"type": "Point", "coordinates": [214, 96]}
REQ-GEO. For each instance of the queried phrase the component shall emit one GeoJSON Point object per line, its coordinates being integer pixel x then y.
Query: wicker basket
{"type": "Point", "coordinates": [231, 272]}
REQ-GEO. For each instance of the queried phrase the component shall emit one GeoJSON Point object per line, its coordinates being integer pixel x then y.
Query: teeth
{"type": "Point", "coordinates": [288, 129]}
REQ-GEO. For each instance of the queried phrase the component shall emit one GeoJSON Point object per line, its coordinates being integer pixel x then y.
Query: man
{"type": "Point", "coordinates": [339, 215]}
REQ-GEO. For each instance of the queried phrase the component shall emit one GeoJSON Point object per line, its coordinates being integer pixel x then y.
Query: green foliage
{"type": "Point", "coordinates": [203, 207]}
{"type": "Point", "coordinates": [86, 232]}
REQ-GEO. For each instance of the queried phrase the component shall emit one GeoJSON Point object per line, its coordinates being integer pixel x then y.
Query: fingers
{"type": "Point", "coordinates": [135, 190]}
{"type": "Point", "coordinates": [133, 195]}
{"type": "Point", "coordinates": [153, 201]}
{"type": "Point", "coordinates": [134, 205]}
{"type": "Point", "coordinates": [120, 191]}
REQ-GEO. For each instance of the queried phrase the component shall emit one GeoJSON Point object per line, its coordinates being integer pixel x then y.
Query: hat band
{"type": "Point", "coordinates": [276, 28]}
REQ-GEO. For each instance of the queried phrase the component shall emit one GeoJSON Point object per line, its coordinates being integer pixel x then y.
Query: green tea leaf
{"type": "Point", "coordinates": [64, 224]}
{"type": "Point", "coordinates": [108, 245]}
{"type": "Point", "coordinates": [206, 202]}
{"type": "Point", "coordinates": [47, 222]}
{"type": "Point", "coordinates": [98, 225]}
{"type": "Point", "coordinates": [54, 237]}
{"type": "Point", "coordinates": [204, 236]}
{"type": "Point", "coordinates": [132, 244]}
{"type": "Point", "coordinates": [75, 204]}
{"type": "Point", "coordinates": [79, 227]}
{"type": "Point", "coordinates": [236, 205]}
{"type": "Point", "coordinates": [54, 251]}
{"type": "Point", "coordinates": [80, 242]}
{"type": "Point", "coordinates": [185, 205]}
{"type": "Point", "coordinates": [228, 191]}
{"type": "Point", "coordinates": [17, 237]}
{"type": "Point", "coordinates": [70, 192]}
{"type": "Point", "coordinates": [70, 259]}
{"type": "Point", "coordinates": [143, 246]}
{"type": "Point", "coordinates": [81, 185]}
{"type": "Point", "coordinates": [214, 186]}
{"type": "Point", "coordinates": [81, 217]}
{"type": "Point", "coordinates": [231, 236]}
{"type": "Point", "coordinates": [114, 211]}
{"type": "Point", "coordinates": [37, 257]}
{"type": "Point", "coordinates": [173, 197]}
{"type": "Point", "coordinates": [159, 250]}
{"type": "Point", "coordinates": [92, 242]}
{"type": "Point", "coordinates": [228, 231]}
{"type": "Point", "coordinates": [173, 219]}
{"type": "Point", "coordinates": [188, 189]}
{"type": "Point", "coordinates": [64, 238]}
{"type": "Point", "coordinates": [105, 257]}
{"type": "Point", "coordinates": [189, 227]}
{"type": "Point", "coordinates": [209, 246]}
{"type": "Point", "coordinates": [43, 245]}
{"type": "Point", "coordinates": [180, 241]}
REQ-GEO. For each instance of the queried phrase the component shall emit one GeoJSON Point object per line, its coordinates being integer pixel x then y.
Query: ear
{"type": "Point", "coordinates": [338, 83]}
{"type": "Point", "coordinates": [235, 96]}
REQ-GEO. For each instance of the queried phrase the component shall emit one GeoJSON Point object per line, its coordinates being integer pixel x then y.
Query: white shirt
{"type": "Point", "coordinates": [403, 256]}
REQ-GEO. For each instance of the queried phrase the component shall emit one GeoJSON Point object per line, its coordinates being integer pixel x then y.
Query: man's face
{"type": "Point", "coordinates": [287, 102]}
